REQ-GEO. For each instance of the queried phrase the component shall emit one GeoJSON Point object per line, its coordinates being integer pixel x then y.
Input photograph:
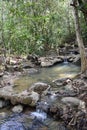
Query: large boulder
{"type": "Point", "coordinates": [73, 101]}
{"type": "Point", "coordinates": [25, 97]}
{"type": "Point", "coordinates": [50, 61]}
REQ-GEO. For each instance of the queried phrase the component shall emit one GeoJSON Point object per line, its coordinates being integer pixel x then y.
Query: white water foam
{"type": "Point", "coordinates": [39, 115]}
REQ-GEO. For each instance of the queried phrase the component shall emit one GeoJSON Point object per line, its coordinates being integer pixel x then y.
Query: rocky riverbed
{"type": "Point", "coordinates": [61, 102]}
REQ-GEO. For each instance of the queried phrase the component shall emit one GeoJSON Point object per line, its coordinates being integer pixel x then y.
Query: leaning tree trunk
{"type": "Point", "coordinates": [79, 39]}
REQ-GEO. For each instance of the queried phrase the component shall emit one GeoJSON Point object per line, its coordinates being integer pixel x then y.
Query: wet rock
{"type": "Point", "coordinates": [17, 109]}
{"type": "Point", "coordinates": [39, 87]}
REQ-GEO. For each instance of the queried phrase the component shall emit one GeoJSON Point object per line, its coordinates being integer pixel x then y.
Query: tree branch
{"type": "Point", "coordinates": [74, 3]}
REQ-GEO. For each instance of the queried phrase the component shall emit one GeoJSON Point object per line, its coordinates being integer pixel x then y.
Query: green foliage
{"type": "Point", "coordinates": [35, 26]}
{"type": "Point", "coordinates": [83, 27]}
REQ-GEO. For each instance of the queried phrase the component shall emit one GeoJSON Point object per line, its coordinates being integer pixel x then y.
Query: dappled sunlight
{"type": "Point", "coordinates": [60, 68]}
{"type": "Point", "coordinates": [64, 75]}
{"type": "Point", "coordinates": [46, 75]}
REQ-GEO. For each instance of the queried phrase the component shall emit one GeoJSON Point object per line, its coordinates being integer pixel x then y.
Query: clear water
{"type": "Point", "coordinates": [47, 75]}
{"type": "Point", "coordinates": [25, 121]}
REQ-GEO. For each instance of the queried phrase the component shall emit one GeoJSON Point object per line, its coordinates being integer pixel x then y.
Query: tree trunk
{"type": "Point", "coordinates": [79, 39]}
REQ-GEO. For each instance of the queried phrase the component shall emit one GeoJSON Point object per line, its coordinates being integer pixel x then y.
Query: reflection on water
{"type": "Point", "coordinates": [47, 75]}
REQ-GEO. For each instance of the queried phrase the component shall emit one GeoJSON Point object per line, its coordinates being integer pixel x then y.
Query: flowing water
{"type": "Point", "coordinates": [47, 75]}
{"type": "Point", "coordinates": [37, 120]}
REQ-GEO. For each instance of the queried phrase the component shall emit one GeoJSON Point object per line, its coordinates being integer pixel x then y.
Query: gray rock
{"type": "Point", "coordinates": [25, 97]}
{"type": "Point", "coordinates": [50, 61]}
{"type": "Point", "coordinates": [17, 109]}
{"type": "Point", "coordinates": [74, 102]}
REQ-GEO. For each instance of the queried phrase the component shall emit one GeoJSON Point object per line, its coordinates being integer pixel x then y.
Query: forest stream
{"type": "Point", "coordinates": [43, 64]}
{"type": "Point", "coordinates": [37, 119]}
{"type": "Point", "coordinates": [64, 70]}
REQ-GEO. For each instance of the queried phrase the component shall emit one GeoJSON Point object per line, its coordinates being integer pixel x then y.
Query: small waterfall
{"type": "Point", "coordinates": [39, 116]}
{"type": "Point", "coordinates": [40, 113]}
{"type": "Point", "coordinates": [65, 60]}
{"type": "Point", "coordinates": [53, 97]}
